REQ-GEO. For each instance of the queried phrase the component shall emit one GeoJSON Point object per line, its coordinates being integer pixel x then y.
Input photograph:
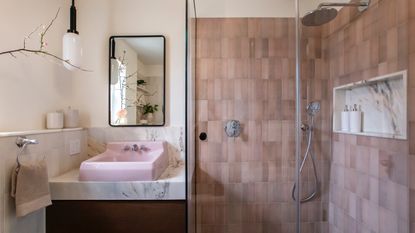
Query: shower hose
{"type": "Point", "coordinates": [308, 153]}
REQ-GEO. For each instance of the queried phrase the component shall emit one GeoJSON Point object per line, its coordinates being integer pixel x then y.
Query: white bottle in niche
{"type": "Point", "coordinates": [355, 120]}
{"type": "Point", "coordinates": [345, 120]}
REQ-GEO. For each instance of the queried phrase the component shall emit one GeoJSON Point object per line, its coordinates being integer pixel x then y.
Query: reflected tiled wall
{"type": "Point", "coordinates": [246, 71]}
{"type": "Point", "coordinates": [369, 183]}
{"type": "Point", "coordinates": [55, 148]}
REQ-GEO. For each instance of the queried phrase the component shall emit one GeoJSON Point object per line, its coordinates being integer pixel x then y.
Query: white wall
{"type": "Point", "coordinates": [155, 74]}
{"type": "Point", "coordinates": [31, 86]}
{"type": "Point", "coordinates": [165, 17]}
{"type": "Point", "coordinates": [131, 17]}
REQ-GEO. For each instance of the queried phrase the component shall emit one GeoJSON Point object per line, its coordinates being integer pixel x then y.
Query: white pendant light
{"type": "Point", "coordinates": [115, 65]}
{"type": "Point", "coordinates": [72, 51]}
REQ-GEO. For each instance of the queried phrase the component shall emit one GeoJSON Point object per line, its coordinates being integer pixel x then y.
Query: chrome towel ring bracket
{"type": "Point", "coordinates": [22, 142]}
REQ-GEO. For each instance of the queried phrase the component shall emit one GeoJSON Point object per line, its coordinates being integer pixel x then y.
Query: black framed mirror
{"type": "Point", "coordinates": [137, 85]}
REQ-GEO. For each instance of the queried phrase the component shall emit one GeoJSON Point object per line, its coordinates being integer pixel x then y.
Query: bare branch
{"type": "Point", "coordinates": [30, 34]}
{"type": "Point", "coordinates": [123, 58]}
{"type": "Point", "coordinates": [65, 61]}
{"type": "Point", "coordinates": [41, 52]}
{"type": "Point", "coordinates": [131, 75]}
{"type": "Point", "coordinates": [42, 35]}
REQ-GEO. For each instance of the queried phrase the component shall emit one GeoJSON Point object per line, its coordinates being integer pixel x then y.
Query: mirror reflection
{"type": "Point", "coordinates": [137, 82]}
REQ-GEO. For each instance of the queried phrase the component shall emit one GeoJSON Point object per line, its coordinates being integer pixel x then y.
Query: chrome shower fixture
{"type": "Point", "coordinates": [313, 108]}
{"type": "Point", "coordinates": [325, 12]}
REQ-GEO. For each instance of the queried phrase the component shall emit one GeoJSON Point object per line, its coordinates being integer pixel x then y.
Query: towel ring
{"type": "Point", "coordinates": [22, 142]}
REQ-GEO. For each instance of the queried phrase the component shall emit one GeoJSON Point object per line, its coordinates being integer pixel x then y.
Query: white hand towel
{"type": "Point", "coordinates": [30, 188]}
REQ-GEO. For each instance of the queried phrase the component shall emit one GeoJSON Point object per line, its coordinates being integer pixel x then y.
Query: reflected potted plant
{"type": "Point", "coordinates": [148, 111]}
{"type": "Point", "coordinates": [141, 82]}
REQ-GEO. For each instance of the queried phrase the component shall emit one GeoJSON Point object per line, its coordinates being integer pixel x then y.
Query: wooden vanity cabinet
{"type": "Point", "coordinates": [116, 217]}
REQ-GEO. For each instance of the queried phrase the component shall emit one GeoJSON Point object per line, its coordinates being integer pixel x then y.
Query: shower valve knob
{"type": "Point", "coordinates": [233, 128]}
{"type": "Point", "coordinates": [203, 136]}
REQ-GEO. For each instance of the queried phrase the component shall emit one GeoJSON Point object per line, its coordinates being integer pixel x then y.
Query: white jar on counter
{"type": "Point", "coordinates": [54, 120]}
{"type": "Point", "coordinates": [71, 118]}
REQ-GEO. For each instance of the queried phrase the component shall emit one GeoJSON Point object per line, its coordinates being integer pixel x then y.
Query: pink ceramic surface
{"type": "Point", "coordinates": [116, 164]}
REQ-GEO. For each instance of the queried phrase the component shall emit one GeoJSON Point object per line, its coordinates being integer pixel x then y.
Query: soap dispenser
{"type": "Point", "coordinates": [345, 119]}
{"type": "Point", "coordinates": [356, 120]}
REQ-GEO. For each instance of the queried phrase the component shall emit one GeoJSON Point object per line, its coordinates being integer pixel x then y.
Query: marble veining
{"type": "Point", "coordinates": [388, 100]}
{"type": "Point", "coordinates": [382, 101]}
{"type": "Point", "coordinates": [382, 104]}
{"type": "Point", "coordinates": [170, 186]}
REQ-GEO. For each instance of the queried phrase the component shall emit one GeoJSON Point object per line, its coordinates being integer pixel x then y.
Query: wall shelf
{"type": "Point", "coordinates": [34, 132]}
{"type": "Point", "coordinates": [383, 101]}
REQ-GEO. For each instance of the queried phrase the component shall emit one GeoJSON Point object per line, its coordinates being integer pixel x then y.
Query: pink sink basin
{"type": "Point", "coordinates": [127, 161]}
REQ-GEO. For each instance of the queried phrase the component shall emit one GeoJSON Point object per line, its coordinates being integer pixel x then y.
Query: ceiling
{"type": "Point", "coordinates": [149, 50]}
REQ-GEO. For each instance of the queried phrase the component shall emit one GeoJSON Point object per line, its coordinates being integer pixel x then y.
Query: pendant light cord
{"type": "Point", "coordinates": [72, 25]}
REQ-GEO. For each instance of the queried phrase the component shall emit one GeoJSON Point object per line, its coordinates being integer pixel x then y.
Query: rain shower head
{"type": "Point", "coordinates": [313, 108]}
{"type": "Point", "coordinates": [319, 17]}
{"type": "Point", "coordinates": [325, 13]}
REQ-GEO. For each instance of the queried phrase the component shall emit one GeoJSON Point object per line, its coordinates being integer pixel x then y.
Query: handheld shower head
{"type": "Point", "coordinates": [313, 108]}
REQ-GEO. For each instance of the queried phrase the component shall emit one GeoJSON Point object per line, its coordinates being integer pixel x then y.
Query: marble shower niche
{"type": "Point", "coordinates": [383, 102]}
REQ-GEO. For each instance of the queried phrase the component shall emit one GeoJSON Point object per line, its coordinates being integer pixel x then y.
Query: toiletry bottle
{"type": "Point", "coordinates": [355, 120]}
{"type": "Point", "coordinates": [345, 119]}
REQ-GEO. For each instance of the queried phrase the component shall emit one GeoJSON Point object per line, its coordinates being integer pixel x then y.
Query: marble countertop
{"type": "Point", "coordinates": [170, 186]}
